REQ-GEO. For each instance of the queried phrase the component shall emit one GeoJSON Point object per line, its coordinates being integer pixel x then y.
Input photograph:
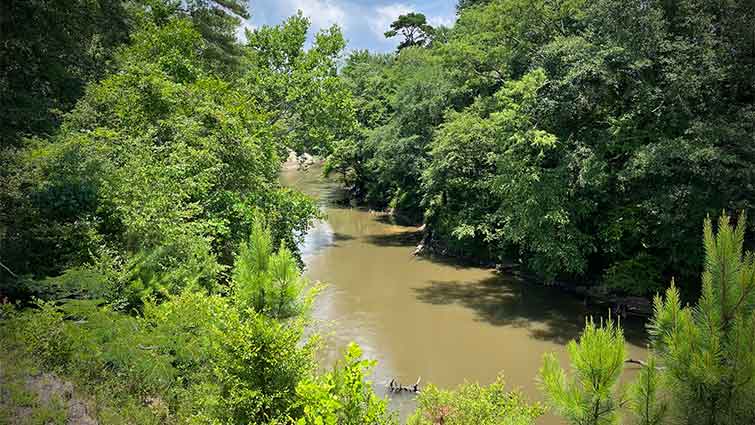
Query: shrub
{"type": "Point", "coordinates": [474, 404]}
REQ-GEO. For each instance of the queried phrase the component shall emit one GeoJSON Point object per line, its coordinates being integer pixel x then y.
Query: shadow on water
{"type": "Point", "coordinates": [409, 238]}
{"type": "Point", "coordinates": [541, 310]}
{"type": "Point", "coordinates": [386, 218]}
{"type": "Point", "coordinates": [502, 303]}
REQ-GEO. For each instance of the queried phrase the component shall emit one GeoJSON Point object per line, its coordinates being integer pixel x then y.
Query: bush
{"type": "Point", "coordinates": [474, 404]}
{"type": "Point", "coordinates": [44, 335]}
{"type": "Point", "coordinates": [343, 396]}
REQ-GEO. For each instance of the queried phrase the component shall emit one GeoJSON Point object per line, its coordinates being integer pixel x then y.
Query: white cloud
{"type": "Point", "coordinates": [322, 13]}
{"type": "Point", "coordinates": [384, 15]}
{"type": "Point", "coordinates": [436, 21]}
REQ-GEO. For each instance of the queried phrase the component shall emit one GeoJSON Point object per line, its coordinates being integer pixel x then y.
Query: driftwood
{"type": "Point", "coordinates": [641, 363]}
{"type": "Point", "coordinates": [395, 387]}
{"type": "Point", "coordinates": [632, 306]}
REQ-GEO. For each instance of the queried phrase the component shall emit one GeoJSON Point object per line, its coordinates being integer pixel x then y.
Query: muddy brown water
{"type": "Point", "coordinates": [424, 317]}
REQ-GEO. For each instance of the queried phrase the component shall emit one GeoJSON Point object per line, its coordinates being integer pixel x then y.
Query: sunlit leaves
{"type": "Point", "coordinates": [588, 395]}
{"type": "Point", "coordinates": [707, 350]}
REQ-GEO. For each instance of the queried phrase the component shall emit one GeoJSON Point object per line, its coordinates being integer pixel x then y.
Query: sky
{"type": "Point", "coordinates": [363, 21]}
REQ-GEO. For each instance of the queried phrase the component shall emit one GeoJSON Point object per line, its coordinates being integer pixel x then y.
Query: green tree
{"type": "Point", "coordinates": [589, 396]}
{"type": "Point", "coordinates": [708, 351]}
{"type": "Point", "coordinates": [296, 89]}
{"type": "Point", "coordinates": [464, 4]}
{"type": "Point", "coordinates": [645, 399]}
{"type": "Point", "coordinates": [413, 27]}
{"type": "Point", "coordinates": [268, 281]}
{"type": "Point", "coordinates": [384, 159]}
{"type": "Point", "coordinates": [613, 171]}
{"type": "Point", "coordinates": [50, 50]}
{"type": "Point", "coordinates": [218, 22]}
{"type": "Point", "coordinates": [161, 160]}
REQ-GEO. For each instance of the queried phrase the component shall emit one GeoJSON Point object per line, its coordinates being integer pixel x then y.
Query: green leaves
{"type": "Point", "coordinates": [591, 124]}
{"type": "Point", "coordinates": [645, 398]}
{"type": "Point", "coordinates": [413, 27]}
{"type": "Point", "coordinates": [707, 350]}
{"type": "Point", "coordinates": [298, 90]}
{"type": "Point", "coordinates": [473, 403]}
{"type": "Point", "coordinates": [269, 282]}
{"type": "Point", "coordinates": [589, 396]}
{"type": "Point", "coordinates": [343, 396]}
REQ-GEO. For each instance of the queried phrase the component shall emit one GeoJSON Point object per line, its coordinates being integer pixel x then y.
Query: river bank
{"type": "Point", "coordinates": [588, 290]}
{"type": "Point", "coordinates": [429, 316]}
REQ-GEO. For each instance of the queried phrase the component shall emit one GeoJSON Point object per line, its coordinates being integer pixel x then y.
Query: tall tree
{"type": "Point", "coordinates": [708, 351]}
{"type": "Point", "coordinates": [218, 21]}
{"type": "Point", "coordinates": [413, 27]}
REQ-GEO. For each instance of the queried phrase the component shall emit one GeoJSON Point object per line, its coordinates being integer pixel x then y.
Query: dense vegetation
{"type": "Point", "coordinates": [143, 230]}
{"type": "Point", "coordinates": [586, 139]}
{"type": "Point", "coordinates": [148, 252]}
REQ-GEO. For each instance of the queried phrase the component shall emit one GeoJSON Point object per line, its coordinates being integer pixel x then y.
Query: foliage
{"type": "Point", "coordinates": [268, 281]}
{"type": "Point", "coordinates": [159, 169]}
{"type": "Point", "coordinates": [463, 4]}
{"type": "Point", "coordinates": [343, 396]}
{"type": "Point", "coordinates": [413, 27]}
{"type": "Point", "coordinates": [50, 50]}
{"type": "Point", "coordinates": [589, 396]}
{"type": "Point", "coordinates": [141, 142]}
{"type": "Point", "coordinates": [515, 200]}
{"type": "Point", "coordinates": [595, 135]}
{"type": "Point", "coordinates": [701, 364]}
{"type": "Point", "coordinates": [472, 403]}
{"type": "Point", "coordinates": [645, 401]}
{"type": "Point", "coordinates": [403, 100]}
{"type": "Point", "coordinates": [45, 336]}
{"type": "Point", "coordinates": [707, 350]}
{"type": "Point", "coordinates": [298, 91]}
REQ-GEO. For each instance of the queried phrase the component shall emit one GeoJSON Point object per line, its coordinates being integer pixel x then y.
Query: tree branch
{"type": "Point", "coordinates": [641, 363]}
{"type": "Point", "coordinates": [8, 270]}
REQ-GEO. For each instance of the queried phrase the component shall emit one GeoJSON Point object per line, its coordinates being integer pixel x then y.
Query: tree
{"type": "Point", "coordinates": [267, 281]}
{"type": "Point", "coordinates": [413, 27]}
{"type": "Point", "coordinates": [708, 351]}
{"type": "Point", "coordinates": [646, 402]}
{"type": "Point", "coordinates": [625, 138]}
{"type": "Point", "coordinates": [165, 160]}
{"type": "Point", "coordinates": [50, 50]}
{"type": "Point", "coordinates": [298, 90]}
{"type": "Point", "coordinates": [701, 367]}
{"type": "Point", "coordinates": [464, 4]}
{"type": "Point", "coordinates": [589, 396]}
{"type": "Point", "coordinates": [217, 21]}
{"type": "Point", "coordinates": [344, 396]}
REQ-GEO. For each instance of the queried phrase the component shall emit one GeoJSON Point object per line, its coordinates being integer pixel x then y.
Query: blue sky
{"type": "Point", "coordinates": [362, 21]}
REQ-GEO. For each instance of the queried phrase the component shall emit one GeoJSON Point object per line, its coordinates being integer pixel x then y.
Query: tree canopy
{"type": "Point", "coordinates": [414, 29]}
{"type": "Point", "coordinates": [594, 135]}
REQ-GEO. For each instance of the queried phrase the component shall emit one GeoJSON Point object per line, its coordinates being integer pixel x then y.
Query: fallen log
{"type": "Point", "coordinates": [395, 387]}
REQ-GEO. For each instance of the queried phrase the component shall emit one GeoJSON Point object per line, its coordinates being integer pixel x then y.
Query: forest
{"type": "Point", "coordinates": [150, 258]}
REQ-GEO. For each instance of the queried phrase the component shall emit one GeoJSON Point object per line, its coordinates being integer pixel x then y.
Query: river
{"type": "Point", "coordinates": [428, 318]}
